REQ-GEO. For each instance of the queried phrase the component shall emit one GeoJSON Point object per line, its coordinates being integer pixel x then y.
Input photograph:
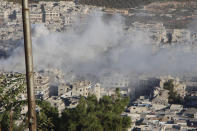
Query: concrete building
{"type": "Point", "coordinates": [114, 81]}
{"type": "Point", "coordinates": [74, 89]}
{"type": "Point", "coordinates": [155, 30]}
{"type": "Point", "coordinates": [62, 89]}
{"type": "Point", "coordinates": [176, 108]}
{"type": "Point", "coordinates": [36, 17]}
{"type": "Point", "coordinates": [58, 103]}
{"type": "Point", "coordinates": [181, 35]}
{"type": "Point", "coordinates": [139, 109]}
{"type": "Point", "coordinates": [191, 87]}
{"type": "Point", "coordinates": [80, 88]}
{"type": "Point", "coordinates": [96, 90]}
{"type": "Point", "coordinates": [41, 87]}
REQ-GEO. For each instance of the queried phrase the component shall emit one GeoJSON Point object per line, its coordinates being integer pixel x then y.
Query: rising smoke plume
{"type": "Point", "coordinates": [100, 46]}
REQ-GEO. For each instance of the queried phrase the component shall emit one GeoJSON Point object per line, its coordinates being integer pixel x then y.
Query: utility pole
{"type": "Point", "coordinates": [29, 66]}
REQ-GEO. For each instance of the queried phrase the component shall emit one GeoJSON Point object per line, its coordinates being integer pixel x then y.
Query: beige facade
{"type": "Point", "coordinates": [80, 88]}
{"type": "Point", "coordinates": [181, 35]}
{"type": "Point", "coordinates": [139, 110]}
{"type": "Point", "coordinates": [41, 87]}
{"type": "Point", "coordinates": [36, 17]}
{"type": "Point", "coordinates": [62, 89]}
{"type": "Point", "coordinates": [96, 90]}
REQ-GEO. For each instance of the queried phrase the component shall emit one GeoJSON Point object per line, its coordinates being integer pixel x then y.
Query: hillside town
{"type": "Point", "coordinates": [149, 110]}
{"type": "Point", "coordinates": [158, 114]}
{"type": "Point", "coordinates": [60, 16]}
{"type": "Point", "coordinates": [159, 103]}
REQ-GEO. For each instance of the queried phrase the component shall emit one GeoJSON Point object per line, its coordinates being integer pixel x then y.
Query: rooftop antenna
{"type": "Point", "coordinates": [29, 66]}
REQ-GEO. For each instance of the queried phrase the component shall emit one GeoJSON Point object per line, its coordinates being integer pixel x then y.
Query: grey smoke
{"type": "Point", "coordinates": [100, 46]}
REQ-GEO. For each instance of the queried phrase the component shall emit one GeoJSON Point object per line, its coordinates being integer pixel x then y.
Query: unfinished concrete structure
{"type": "Point", "coordinates": [41, 87]}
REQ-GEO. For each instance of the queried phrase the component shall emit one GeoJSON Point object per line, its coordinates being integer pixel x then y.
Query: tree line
{"type": "Point", "coordinates": [89, 115]}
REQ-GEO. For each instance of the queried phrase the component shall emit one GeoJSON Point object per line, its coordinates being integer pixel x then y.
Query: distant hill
{"type": "Point", "coordinates": [109, 3]}
{"type": "Point", "coordinates": [121, 3]}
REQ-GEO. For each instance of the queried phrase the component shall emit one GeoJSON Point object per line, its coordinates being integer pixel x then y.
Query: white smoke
{"type": "Point", "coordinates": [99, 46]}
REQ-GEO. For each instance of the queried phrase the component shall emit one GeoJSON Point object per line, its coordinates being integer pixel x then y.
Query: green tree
{"type": "Point", "coordinates": [47, 118]}
{"type": "Point", "coordinates": [168, 85]}
{"type": "Point", "coordinates": [173, 97]}
{"type": "Point", "coordinates": [9, 104]}
{"type": "Point", "coordinates": [93, 115]}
